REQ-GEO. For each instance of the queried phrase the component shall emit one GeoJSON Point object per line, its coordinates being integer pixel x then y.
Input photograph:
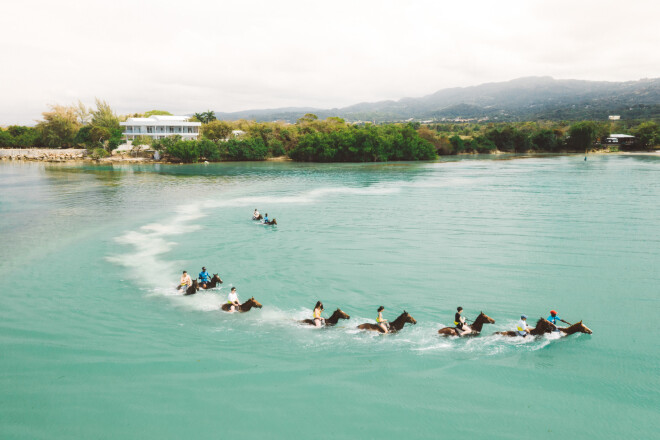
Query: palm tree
{"type": "Point", "coordinates": [205, 117]}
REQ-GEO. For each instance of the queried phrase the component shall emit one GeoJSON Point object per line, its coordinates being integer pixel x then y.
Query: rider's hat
{"type": "Point", "coordinates": [523, 316]}
{"type": "Point", "coordinates": [552, 312]}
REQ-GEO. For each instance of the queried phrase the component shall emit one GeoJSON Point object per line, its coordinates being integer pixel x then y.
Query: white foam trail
{"type": "Point", "coordinates": [151, 241]}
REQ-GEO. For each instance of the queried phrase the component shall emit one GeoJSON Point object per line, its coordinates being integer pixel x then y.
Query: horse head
{"type": "Point", "coordinates": [254, 302]}
{"type": "Point", "coordinates": [486, 318]}
{"type": "Point", "coordinates": [216, 278]}
{"type": "Point", "coordinates": [195, 284]}
{"type": "Point", "coordinates": [342, 314]}
{"type": "Point", "coordinates": [408, 318]}
{"type": "Point", "coordinates": [581, 328]}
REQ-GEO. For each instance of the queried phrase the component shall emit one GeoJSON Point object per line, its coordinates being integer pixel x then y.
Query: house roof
{"type": "Point", "coordinates": [161, 120]}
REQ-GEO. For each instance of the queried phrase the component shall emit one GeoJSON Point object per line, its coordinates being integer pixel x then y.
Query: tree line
{"type": "Point", "coordinates": [315, 140]}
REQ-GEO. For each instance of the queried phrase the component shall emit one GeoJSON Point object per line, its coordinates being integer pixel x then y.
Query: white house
{"type": "Point", "coordinates": [159, 127]}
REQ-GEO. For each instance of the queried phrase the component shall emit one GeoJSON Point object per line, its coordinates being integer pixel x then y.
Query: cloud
{"type": "Point", "coordinates": [228, 56]}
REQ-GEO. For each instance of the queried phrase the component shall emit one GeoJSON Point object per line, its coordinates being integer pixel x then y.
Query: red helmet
{"type": "Point", "coordinates": [552, 312]}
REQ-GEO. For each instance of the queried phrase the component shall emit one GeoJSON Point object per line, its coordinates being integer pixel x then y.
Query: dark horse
{"type": "Point", "coordinates": [259, 217]}
{"type": "Point", "coordinates": [213, 283]}
{"type": "Point", "coordinates": [542, 326]}
{"type": "Point", "coordinates": [336, 316]}
{"type": "Point", "coordinates": [192, 289]}
{"type": "Point", "coordinates": [395, 325]}
{"type": "Point", "coordinates": [245, 307]}
{"type": "Point", "coordinates": [475, 327]}
{"type": "Point", "coordinates": [271, 222]}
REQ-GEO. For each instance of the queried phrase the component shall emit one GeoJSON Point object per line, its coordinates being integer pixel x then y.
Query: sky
{"type": "Point", "coordinates": [197, 55]}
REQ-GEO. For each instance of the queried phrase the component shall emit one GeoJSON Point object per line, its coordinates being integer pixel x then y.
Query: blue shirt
{"type": "Point", "coordinates": [554, 319]}
{"type": "Point", "coordinates": [265, 219]}
{"type": "Point", "coordinates": [204, 276]}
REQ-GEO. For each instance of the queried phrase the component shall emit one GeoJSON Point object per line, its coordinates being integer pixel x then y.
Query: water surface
{"type": "Point", "coordinates": [97, 344]}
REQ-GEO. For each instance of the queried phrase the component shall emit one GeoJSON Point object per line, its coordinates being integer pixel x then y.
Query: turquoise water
{"type": "Point", "coordinates": [96, 343]}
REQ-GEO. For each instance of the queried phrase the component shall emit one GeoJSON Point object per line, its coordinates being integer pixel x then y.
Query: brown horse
{"type": "Point", "coordinates": [245, 307]}
{"type": "Point", "coordinates": [578, 327]}
{"type": "Point", "coordinates": [542, 326]}
{"type": "Point", "coordinates": [332, 320]}
{"type": "Point", "coordinates": [213, 283]}
{"type": "Point", "coordinates": [395, 325]}
{"type": "Point", "coordinates": [259, 217]}
{"type": "Point", "coordinates": [192, 289]}
{"type": "Point", "coordinates": [271, 222]}
{"type": "Point", "coordinates": [475, 327]}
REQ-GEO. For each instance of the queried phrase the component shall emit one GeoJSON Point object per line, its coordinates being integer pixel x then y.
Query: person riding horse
{"type": "Point", "coordinates": [185, 281]}
{"type": "Point", "coordinates": [459, 322]}
{"type": "Point", "coordinates": [382, 322]}
{"type": "Point", "coordinates": [522, 327]}
{"type": "Point", "coordinates": [553, 318]}
{"type": "Point", "coordinates": [256, 215]}
{"type": "Point", "coordinates": [318, 319]}
{"type": "Point", "coordinates": [204, 278]}
{"type": "Point", "coordinates": [232, 299]}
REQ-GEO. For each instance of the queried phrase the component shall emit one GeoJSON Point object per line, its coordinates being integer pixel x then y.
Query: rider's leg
{"type": "Point", "coordinates": [383, 326]}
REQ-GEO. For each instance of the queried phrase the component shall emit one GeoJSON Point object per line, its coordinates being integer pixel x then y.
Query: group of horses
{"type": "Point", "coordinates": [215, 282]}
{"type": "Point", "coordinates": [543, 326]}
{"type": "Point", "coordinates": [261, 217]}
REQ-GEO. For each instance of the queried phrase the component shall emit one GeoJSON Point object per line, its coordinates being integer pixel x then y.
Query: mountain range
{"type": "Point", "coordinates": [529, 98]}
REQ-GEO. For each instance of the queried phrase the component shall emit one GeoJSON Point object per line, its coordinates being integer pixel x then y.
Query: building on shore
{"type": "Point", "coordinates": [620, 139]}
{"type": "Point", "coordinates": [160, 127]}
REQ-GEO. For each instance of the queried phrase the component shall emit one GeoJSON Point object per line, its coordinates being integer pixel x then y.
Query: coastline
{"type": "Point", "coordinates": [80, 155]}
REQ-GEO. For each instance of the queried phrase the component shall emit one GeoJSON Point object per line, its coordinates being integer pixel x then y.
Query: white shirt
{"type": "Point", "coordinates": [233, 297]}
{"type": "Point", "coordinates": [522, 325]}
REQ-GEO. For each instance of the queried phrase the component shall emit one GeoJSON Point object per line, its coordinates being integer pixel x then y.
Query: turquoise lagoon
{"type": "Point", "coordinates": [96, 343]}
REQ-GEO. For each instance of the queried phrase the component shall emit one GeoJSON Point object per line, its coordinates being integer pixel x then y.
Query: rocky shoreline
{"type": "Point", "coordinates": [43, 154]}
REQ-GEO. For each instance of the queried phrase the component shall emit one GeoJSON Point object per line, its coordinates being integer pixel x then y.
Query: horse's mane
{"type": "Point", "coordinates": [576, 325]}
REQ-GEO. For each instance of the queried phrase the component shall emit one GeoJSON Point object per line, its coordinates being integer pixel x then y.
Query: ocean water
{"type": "Point", "coordinates": [96, 343]}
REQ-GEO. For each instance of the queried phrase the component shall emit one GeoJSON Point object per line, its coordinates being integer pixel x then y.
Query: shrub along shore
{"type": "Point", "coordinates": [313, 140]}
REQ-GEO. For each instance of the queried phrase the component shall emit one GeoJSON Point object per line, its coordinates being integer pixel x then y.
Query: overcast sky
{"type": "Point", "coordinates": [192, 55]}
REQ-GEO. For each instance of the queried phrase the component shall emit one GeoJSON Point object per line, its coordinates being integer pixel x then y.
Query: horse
{"type": "Point", "coordinates": [213, 283]}
{"type": "Point", "coordinates": [193, 288]}
{"type": "Point", "coordinates": [578, 327]}
{"type": "Point", "coordinates": [475, 327]}
{"type": "Point", "coordinates": [259, 217]}
{"type": "Point", "coordinates": [271, 222]}
{"type": "Point", "coordinates": [542, 326]}
{"type": "Point", "coordinates": [395, 325]}
{"type": "Point", "coordinates": [245, 307]}
{"type": "Point", "coordinates": [332, 320]}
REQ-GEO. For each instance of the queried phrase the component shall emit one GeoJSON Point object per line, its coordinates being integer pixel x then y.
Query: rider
{"type": "Point", "coordinates": [553, 318]}
{"type": "Point", "coordinates": [382, 322]}
{"type": "Point", "coordinates": [232, 299]}
{"type": "Point", "coordinates": [523, 328]}
{"type": "Point", "coordinates": [318, 319]}
{"type": "Point", "coordinates": [185, 281]}
{"type": "Point", "coordinates": [266, 218]}
{"type": "Point", "coordinates": [256, 214]}
{"type": "Point", "coordinates": [204, 278]}
{"type": "Point", "coordinates": [459, 321]}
